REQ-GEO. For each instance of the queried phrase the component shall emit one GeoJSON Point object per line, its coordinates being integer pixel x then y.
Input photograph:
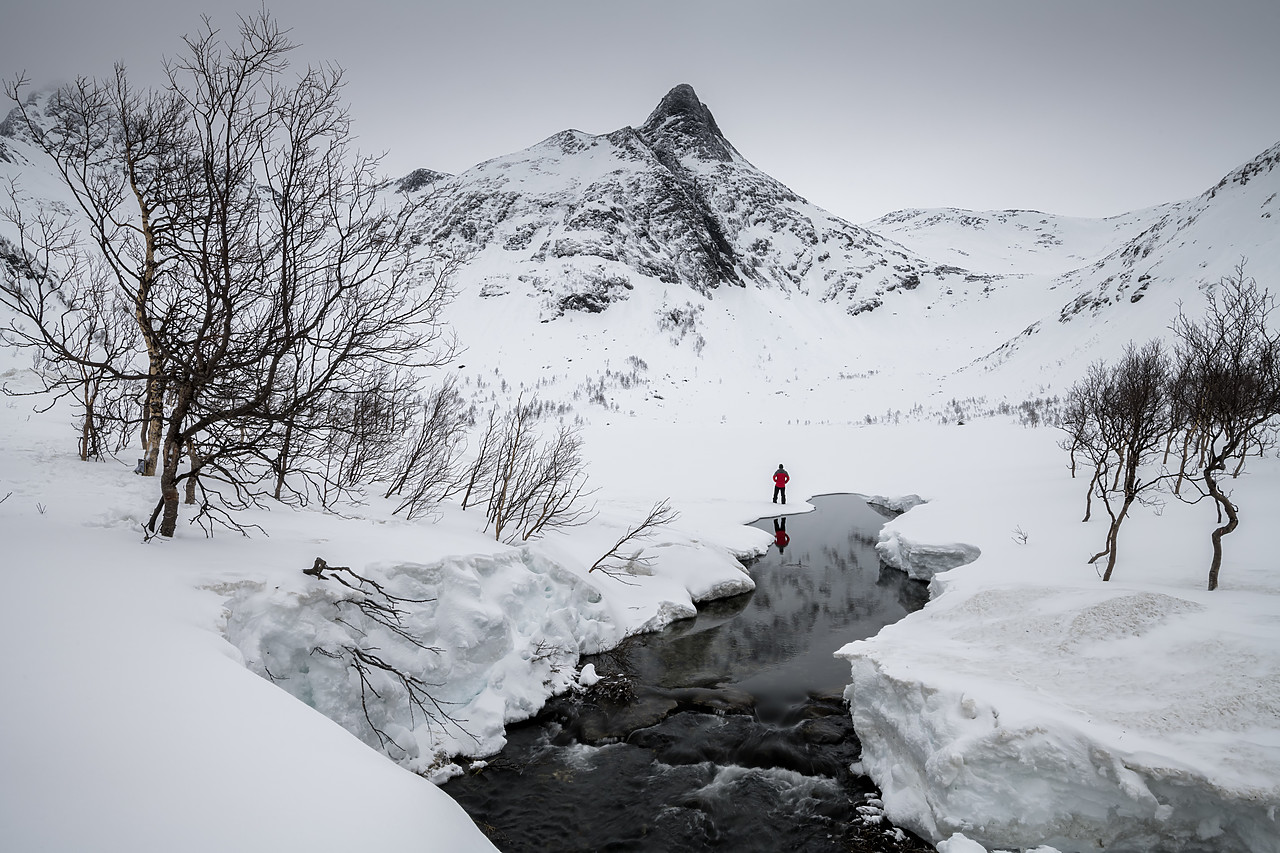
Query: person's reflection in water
{"type": "Point", "coordinates": [780, 537]}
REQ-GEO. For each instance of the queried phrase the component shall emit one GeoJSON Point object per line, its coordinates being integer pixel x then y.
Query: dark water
{"type": "Point", "coordinates": [724, 732]}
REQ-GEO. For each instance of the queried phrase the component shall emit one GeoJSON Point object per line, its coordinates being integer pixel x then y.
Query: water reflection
{"type": "Point", "coordinates": [780, 537]}
{"type": "Point", "coordinates": [819, 587]}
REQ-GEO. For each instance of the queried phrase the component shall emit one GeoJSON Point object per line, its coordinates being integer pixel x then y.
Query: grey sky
{"type": "Point", "coordinates": [1082, 107]}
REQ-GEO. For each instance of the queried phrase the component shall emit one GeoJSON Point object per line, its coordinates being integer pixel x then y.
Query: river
{"type": "Point", "coordinates": [723, 732]}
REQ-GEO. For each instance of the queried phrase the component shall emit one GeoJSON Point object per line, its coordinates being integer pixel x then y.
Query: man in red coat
{"type": "Point", "coordinates": [780, 478]}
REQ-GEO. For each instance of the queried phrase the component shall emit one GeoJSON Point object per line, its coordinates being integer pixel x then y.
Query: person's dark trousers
{"type": "Point", "coordinates": [780, 490]}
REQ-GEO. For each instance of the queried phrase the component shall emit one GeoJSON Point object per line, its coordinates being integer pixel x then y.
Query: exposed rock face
{"type": "Point", "coordinates": [581, 221]}
{"type": "Point", "coordinates": [682, 126]}
{"type": "Point", "coordinates": [419, 179]}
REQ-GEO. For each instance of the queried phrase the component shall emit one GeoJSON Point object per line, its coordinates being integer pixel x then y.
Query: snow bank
{"type": "Point", "coordinates": [959, 843]}
{"type": "Point", "coordinates": [921, 561]}
{"type": "Point", "coordinates": [474, 642]}
{"type": "Point", "coordinates": [1029, 703]}
{"type": "Point", "coordinates": [894, 504]}
{"type": "Point", "coordinates": [1008, 767]}
{"type": "Point", "coordinates": [489, 638]}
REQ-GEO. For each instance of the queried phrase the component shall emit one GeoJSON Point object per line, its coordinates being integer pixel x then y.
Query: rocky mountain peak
{"type": "Point", "coordinates": [681, 125]}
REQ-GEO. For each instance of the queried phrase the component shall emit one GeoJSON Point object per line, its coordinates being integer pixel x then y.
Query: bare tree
{"type": "Point", "coordinates": [106, 407]}
{"type": "Point", "coordinates": [1135, 424]}
{"type": "Point", "coordinates": [88, 318]}
{"type": "Point", "coordinates": [1085, 439]}
{"type": "Point", "coordinates": [534, 485]}
{"type": "Point", "coordinates": [556, 487]}
{"type": "Point", "coordinates": [268, 270]}
{"type": "Point", "coordinates": [428, 467]}
{"type": "Point", "coordinates": [474, 477]}
{"type": "Point", "coordinates": [1228, 386]}
{"type": "Point", "coordinates": [1119, 418]}
{"type": "Point", "coordinates": [515, 448]}
{"type": "Point", "coordinates": [113, 148]}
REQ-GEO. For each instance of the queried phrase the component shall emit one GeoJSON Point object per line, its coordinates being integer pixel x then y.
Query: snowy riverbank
{"type": "Point", "coordinates": [994, 708]}
{"type": "Point", "coordinates": [1032, 704]}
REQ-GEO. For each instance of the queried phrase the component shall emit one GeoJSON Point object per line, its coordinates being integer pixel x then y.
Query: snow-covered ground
{"type": "Point", "coordinates": [1028, 703]}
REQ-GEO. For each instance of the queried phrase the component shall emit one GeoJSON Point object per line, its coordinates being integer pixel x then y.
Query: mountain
{"type": "Point", "coordinates": [1009, 241]}
{"type": "Point", "coordinates": [1108, 281]}
{"type": "Point", "coordinates": [664, 266]}
{"type": "Point", "coordinates": [662, 245]}
{"type": "Point", "coordinates": [581, 221]}
{"type": "Point", "coordinates": [1235, 220]}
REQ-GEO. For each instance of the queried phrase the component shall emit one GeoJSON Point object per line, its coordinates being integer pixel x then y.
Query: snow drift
{"type": "Point", "coordinates": [1120, 720]}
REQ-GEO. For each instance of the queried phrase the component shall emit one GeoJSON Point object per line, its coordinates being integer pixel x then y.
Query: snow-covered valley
{"type": "Point", "coordinates": [696, 339]}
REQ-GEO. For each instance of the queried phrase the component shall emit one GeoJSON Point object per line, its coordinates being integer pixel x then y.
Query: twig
{"type": "Point", "coordinates": [661, 513]}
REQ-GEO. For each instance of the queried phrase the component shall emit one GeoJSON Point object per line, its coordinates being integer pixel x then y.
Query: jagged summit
{"type": "Point", "coordinates": [682, 125]}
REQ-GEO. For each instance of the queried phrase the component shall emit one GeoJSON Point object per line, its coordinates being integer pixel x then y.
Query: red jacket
{"type": "Point", "coordinates": [780, 479]}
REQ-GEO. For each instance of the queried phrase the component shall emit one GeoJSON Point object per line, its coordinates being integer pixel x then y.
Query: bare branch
{"type": "Point", "coordinates": [659, 514]}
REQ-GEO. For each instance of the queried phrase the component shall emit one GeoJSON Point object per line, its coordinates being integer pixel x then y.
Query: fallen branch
{"type": "Point", "coordinates": [661, 513]}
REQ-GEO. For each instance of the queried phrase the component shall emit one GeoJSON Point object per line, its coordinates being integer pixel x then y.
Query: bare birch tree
{"type": "Point", "coordinates": [1228, 387]}
{"type": "Point", "coordinates": [269, 272]}
{"type": "Point", "coordinates": [534, 485]}
{"type": "Point", "coordinates": [112, 147]}
{"type": "Point", "coordinates": [1135, 423]}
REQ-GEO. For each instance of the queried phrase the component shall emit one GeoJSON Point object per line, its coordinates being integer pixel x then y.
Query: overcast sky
{"type": "Point", "coordinates": [1079, 107]}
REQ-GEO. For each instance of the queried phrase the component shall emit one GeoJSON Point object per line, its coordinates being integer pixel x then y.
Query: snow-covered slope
{"type": "Point", "coordinates": [1189, 244]}
{"type": "Point", "coordinates": [1010, 241]}
{"type": "Point", "coordinates": [1105, 282]}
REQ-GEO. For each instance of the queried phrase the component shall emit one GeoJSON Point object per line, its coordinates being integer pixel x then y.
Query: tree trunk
{"type": "Point", "coordinates": [1113, 537]}
{"type": "Point", "coordinates": [1182, 466]}
{"type": "Point", "coordinates": [1098, 478]}
{"type": "Point", "coordinates": [88, 433]}
{"type": "Point", "coordinates": [154, 433]}
{"type": "Point", "coordinates": [155, 388]}
{"type": "Point", "coordinates": [194, 479]}
{"type": "Point", "coordinates": [171, 457]}
{"type": "Point", "coordinates": [169, 488]}
{"type": "Point", "coordinates": [1224, 505]}
{"type": "Point", "coordinates": [1243, 454]}
{"type": "Point", "coordinates": [282, 461]}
